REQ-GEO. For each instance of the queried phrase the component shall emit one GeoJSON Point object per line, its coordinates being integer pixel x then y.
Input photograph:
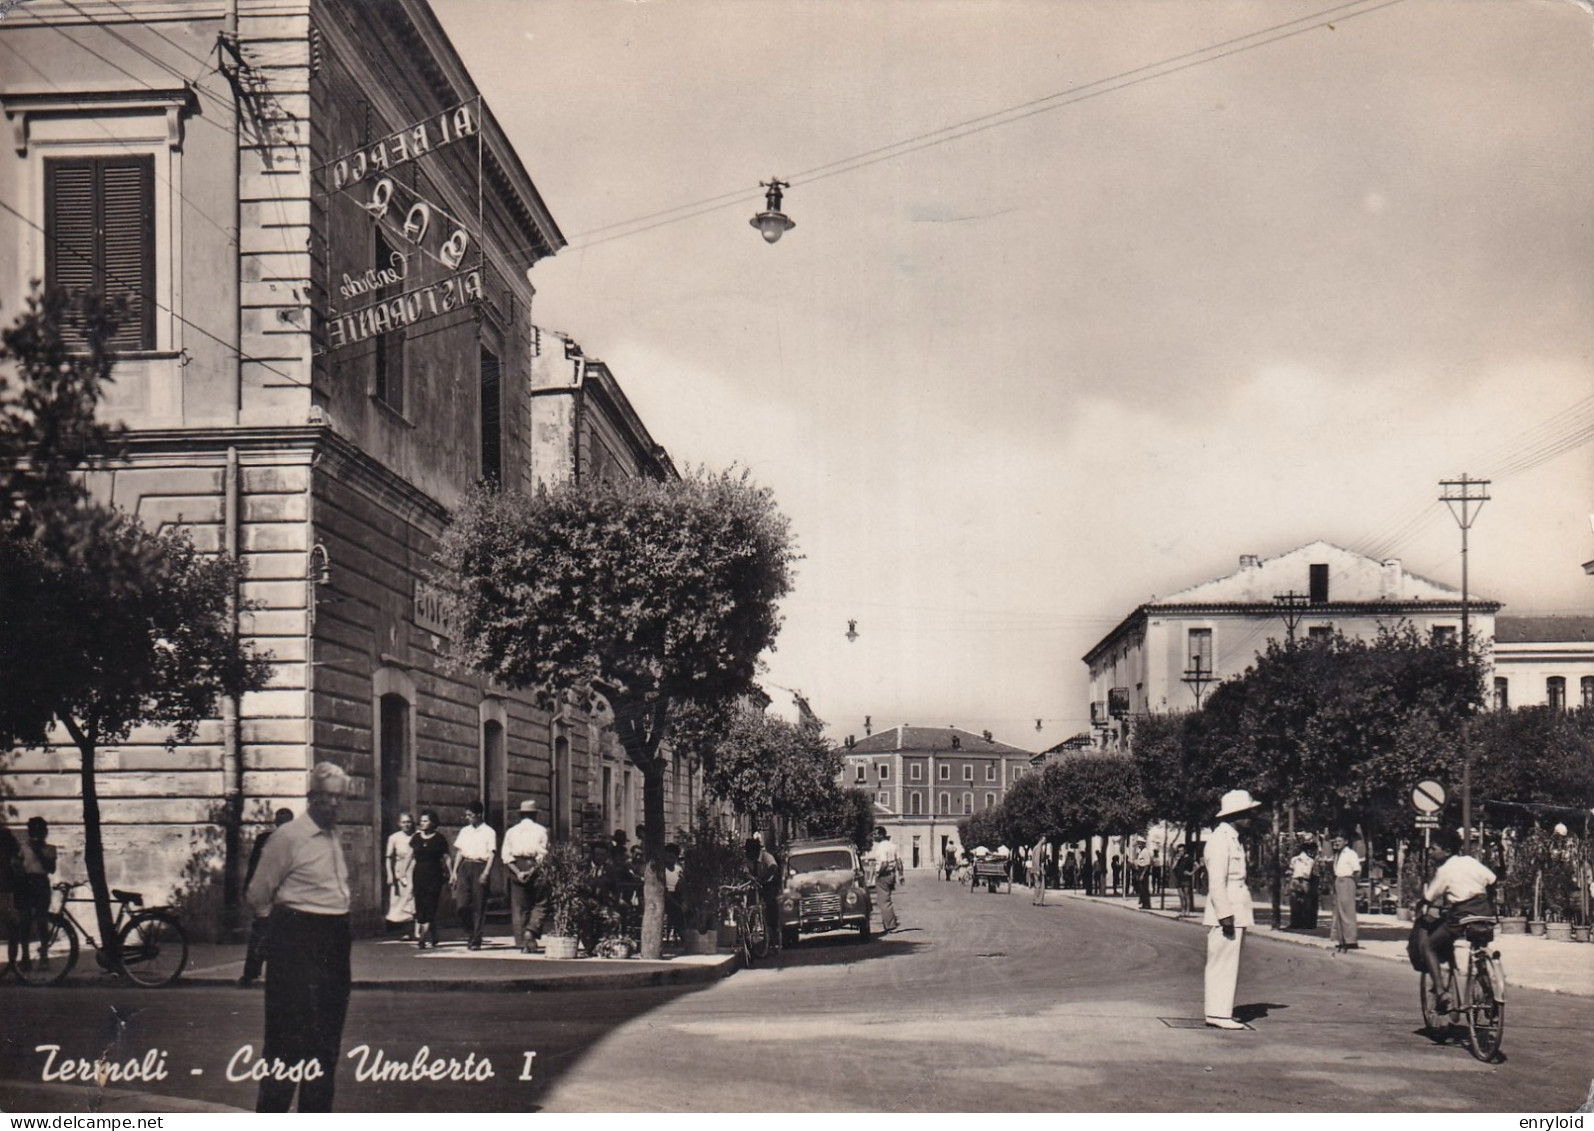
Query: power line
{"type": "Point", "coordinates": [1121, 81]}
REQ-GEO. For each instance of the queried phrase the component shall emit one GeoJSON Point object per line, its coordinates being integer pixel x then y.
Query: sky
{"type": "Point", "coordinates": [1084, 300]}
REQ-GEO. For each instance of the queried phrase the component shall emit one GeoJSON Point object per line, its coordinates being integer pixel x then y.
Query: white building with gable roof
{"type": "Point", "coordinates": [1169, 652]}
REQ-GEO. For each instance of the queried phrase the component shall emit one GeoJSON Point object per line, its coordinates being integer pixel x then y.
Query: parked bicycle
{"type": "Point", "coordinates": [746, 908]}
{"type": "Point", "coordinates": [1475, 988]}
{"type": "Point", "coordinates": [152, 951]}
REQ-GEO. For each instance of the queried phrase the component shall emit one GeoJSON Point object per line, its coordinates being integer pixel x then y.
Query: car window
{"type": "Point", "coordinates": [822, 861]}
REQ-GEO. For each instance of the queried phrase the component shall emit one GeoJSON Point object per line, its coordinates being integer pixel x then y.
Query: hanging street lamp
{"type": "Point", "coordinates": [772, 222]}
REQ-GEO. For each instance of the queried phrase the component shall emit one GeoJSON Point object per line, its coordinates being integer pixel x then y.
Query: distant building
{"type": "Point", "coordinates": [924, 780]}
{"type": "Point", "coordinates": [1168, 653]}
{"type": "Point", "coordinates": [1543, 661]}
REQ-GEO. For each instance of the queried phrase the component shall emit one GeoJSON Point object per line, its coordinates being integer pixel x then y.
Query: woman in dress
{"type": "Point", "coordinates": [429, 849]}
{"type": "Point", "coordinates": [400, 860]}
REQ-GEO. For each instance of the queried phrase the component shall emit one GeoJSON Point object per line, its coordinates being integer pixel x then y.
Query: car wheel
{"type": "Point", "coordinates": [863, 930]}
{"type": "Point", "coordinates": [789, 937]}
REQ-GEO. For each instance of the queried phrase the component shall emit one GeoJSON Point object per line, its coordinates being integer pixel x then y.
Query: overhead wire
{"type": "Point", "coordinates": [1123, 80]}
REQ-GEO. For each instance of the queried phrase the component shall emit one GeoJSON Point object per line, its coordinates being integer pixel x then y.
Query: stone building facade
{"type": "Point", "coordinates": [924, 780]}
{"type": "Point", "coordinates": [325, 240]}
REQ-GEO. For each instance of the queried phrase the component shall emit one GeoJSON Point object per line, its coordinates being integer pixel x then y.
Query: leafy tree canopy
{"type": "Point", "coordinates": [1335, 725]}
{"type": "Point", "coordinates": [653, 594]}
{"type": "Point", "coordinates": [767, 767]}
{"type": "Point", "coordinates": [104, 625]}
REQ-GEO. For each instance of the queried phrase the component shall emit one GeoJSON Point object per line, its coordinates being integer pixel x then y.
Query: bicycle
{"type": "Point", "coordinates": [1480, 1003]}
{"type": "Point", "coordinates": [746, 906]}
{"type": "Point", "coordinates": [153, 947]}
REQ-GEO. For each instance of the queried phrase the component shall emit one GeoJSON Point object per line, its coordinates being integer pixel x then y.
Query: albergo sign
{"type": "Point", "coordinates": [406, 145]}
{"type": "Point", "coordinates": [421, 298]}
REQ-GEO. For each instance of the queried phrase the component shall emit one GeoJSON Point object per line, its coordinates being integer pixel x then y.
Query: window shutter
{"type": "Point", "coordinates": [129, 247]}
{"type": "Point", "coordinates": [100, 236]}
{"type": "Point", "coordinates": [492, 407]}
{"type": "Point", "coordinates": [69, 232]}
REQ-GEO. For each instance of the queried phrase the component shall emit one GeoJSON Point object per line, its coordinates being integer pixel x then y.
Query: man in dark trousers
{"type": "Point", "coordinates": [524, 853]}
{"type": "Point", "coordinates": [475, 846]}
{"type": "Point", "coordinates": [255, 954]}
{"type": "Point", "coordinates": [302, 882]}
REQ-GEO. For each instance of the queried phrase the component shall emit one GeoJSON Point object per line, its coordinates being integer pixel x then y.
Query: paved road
{"type": "Point", "coordinates": [205, 1027]}
{"type": "Point", "coordinates": [983, 1003]}
{"type": "Point", "coordinates": [987, 1003]}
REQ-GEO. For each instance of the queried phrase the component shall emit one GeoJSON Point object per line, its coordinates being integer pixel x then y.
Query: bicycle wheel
{"type": "Point", "coordinates": [154, 949]}
{"type": "Point", "coordinates": [1486, 1007]}
{"type": "Point", "coordinates": [46, 963]}
{"type": "Point", "coordinates": [744, 937]}
{"type": "Point", "coordinates": [757, 931]}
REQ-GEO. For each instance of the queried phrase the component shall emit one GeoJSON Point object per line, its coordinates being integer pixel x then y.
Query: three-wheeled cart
{"type": "Point", "coordinates": [990, 872]}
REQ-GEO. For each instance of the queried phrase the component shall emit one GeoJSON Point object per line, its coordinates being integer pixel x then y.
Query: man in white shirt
{"type": "Point", "coordinates": [1460, 887]}
{"type": "Point", "coordinates": [525, 849]}
{"type": "Point", "coordinates": [474, 849]}
{"type": "Point", "coordinates": [1142, 862]}
{"type": "Point", "coordinates": [888, 871]}
{"type": "Point", "coordinates": [1228, 912]}
{"type": "Point", "coordinates": [1347, 870]}
{"type": "Point", "coordinates": [1303, 888]}
{"type": "Point", "coordinates": [302, 882]}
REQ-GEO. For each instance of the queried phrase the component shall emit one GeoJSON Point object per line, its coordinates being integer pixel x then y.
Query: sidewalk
{"type": "Point", "coordinates": [1530, 962]}
{"type": "Point", "coordinates": [389, 964]}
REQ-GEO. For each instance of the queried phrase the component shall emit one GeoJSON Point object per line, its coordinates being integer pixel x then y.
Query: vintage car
{"type": "Point", "coordinates": [824, 890]}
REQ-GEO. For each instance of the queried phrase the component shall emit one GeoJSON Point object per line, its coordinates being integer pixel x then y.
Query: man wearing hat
{"type": "Point", "coordinates": [525, 849]}
{"type": "Point", "coordinates": [1228, 910]}
{"type": "Point", "coordinates": [302, 883]}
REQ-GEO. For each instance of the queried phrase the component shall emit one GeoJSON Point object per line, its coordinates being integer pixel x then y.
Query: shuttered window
{"type": "Point", "coordinates": [99, 235]}
{"type": "Point", "coordinates": [492, 407]}
{"type": "Point", "coordinates": [389, 352]}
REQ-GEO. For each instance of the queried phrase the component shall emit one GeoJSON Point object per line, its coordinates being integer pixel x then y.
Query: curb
{"type": "Point", "coordinates": [1528, 982]}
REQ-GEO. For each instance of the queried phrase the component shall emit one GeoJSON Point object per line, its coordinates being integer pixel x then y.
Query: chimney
{"type": "Point", "coordinates": [1391, 579]}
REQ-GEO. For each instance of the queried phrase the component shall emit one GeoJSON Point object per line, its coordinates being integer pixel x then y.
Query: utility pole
{"type": "Point", "coordinates": [1197, 677]}
{"type": "Point", "coordinates": [1292, 607]}
{"type": "Point", "coordinates": [1465, 498]}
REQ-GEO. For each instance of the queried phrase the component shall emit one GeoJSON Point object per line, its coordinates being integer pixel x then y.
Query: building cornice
{"type": "Point", "coordinates": [315, 444]}
{"type": "Point", "coordinates": [1382, 610]}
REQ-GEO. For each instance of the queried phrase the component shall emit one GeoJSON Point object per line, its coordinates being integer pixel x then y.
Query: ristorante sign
{"type": "Point", "coordinates": [347, 327]}
{"type": "Point", "coordinates": [419, 233]}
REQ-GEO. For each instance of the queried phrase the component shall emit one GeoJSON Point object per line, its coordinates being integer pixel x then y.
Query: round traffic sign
{"type": "Point", "coordinates": [1428, 796]}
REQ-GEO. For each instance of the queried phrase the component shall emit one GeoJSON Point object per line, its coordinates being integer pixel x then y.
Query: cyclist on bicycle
{"type": "Point", "coordinates": [1459, 889]}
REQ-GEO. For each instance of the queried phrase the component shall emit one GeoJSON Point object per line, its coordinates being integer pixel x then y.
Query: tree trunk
{"type": "Point", "coordinates": [653, 859]}
{"type": "Point", "coordinates": [93, 844]}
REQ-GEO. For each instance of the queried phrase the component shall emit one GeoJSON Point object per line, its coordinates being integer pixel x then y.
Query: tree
{"type": "Point", "coordinates": [1532, 756]}
{"type": "Point", "coordinates": [770, 769]}
{"type": "Point", "coordinates": [1094, 793]}
{"type": "Point", "coordinates": [653, 595]}
{"type": "Point", "coordinates": [104, 626]}
{"type": "Point", "coordinates": [1338, 725]}
{"type": "Point", "coordinates": [849, 813]}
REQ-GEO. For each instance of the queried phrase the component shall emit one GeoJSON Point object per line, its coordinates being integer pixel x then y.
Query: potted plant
{"type": "Point", "coordinates": [712, 859]}
{"type": "Point", "coordinates": [565, 870]}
